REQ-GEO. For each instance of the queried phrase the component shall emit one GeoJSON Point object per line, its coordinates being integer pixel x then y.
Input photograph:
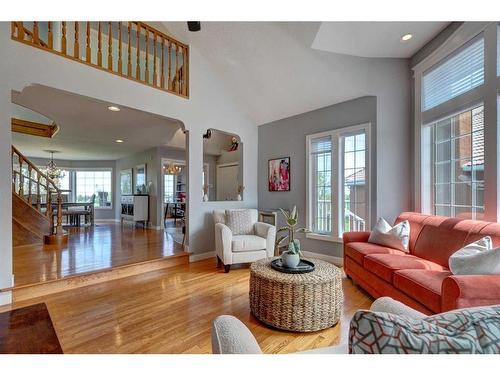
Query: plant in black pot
{"type": "Point", "coordinates": [291, 257]}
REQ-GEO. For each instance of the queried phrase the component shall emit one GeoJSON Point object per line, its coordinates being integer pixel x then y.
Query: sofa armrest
{"type": "Point", "coordinates": [355, 237]}
{"type": "Point", "coordinates": [223, 239]}
{"type": "Point", "coordinates": [231, 336]}
{"type": "Point", "coordinates": [460, 291]}
{"type": "Point", "coordinates": [391, 306]}
{"type": "Point", "coordinates": [268, 232]}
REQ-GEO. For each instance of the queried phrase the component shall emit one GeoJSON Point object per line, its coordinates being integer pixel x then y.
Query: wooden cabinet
{"type": "Point", "coordinates": [135, 208]}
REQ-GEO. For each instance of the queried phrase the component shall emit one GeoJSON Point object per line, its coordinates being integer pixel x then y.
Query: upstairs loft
{"type": "Point", "coordinates": [133, 50]}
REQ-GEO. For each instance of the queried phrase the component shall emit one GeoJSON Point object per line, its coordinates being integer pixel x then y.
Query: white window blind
{"type": "Point", "coordinates": [455, 76]}
{"type": "Point", "coordinates": [498, 50]}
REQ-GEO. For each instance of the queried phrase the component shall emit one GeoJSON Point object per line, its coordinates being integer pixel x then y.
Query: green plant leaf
{"type": "Point", "coordinates": [292, 222]}
{"type": "Point", "coordinates": [302, 230]}
{"type": "Point", "coordinates": [285, 214]}
{"type": "Point", "coordinates": [282, 229]}
{"type": "Point", "coordinates": [294, 213]}
{"type": "Point", "coordinates": [280, 240]}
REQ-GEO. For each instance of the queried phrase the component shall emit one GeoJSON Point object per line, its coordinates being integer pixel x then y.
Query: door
{"type": "Point", "coordinates": [227, 182]}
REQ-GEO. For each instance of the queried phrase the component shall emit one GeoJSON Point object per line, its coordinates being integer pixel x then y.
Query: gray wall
{"type": "Point", "coordinates": [100, 213]}
{"type": "Point", "coordinates": [287, 137]}
{"type": "Point", "coordinates": [152, 158]}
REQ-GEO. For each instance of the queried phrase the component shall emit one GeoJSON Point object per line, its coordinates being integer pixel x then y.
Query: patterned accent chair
{"type": "Point", "coordinates": [254, 243]}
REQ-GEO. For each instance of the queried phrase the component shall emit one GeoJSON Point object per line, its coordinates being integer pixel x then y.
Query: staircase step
{"type": "Point", "coordinates": [25, 292]}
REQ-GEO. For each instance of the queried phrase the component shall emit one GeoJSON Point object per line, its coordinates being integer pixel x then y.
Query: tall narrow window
{"type": "Point", "coordinates": [354, 182]}
{"type": "Point", "coordinates": [321, 155]}
{"type": "Point", "coordinates": [338, 174]}
{"type": "Point", "coordinates": [169, 188]}
{"type": "Point", "coordinates": [458, 164]}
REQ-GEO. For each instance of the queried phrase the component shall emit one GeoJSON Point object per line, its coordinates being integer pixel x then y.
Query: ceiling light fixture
{"type": "Point", "coordinates": [406, 37]}
{"type": "Point", "coordinates": [119, 140]}
{"type": "Point", "coordinates": [51, 169]}
{"type": "Point", "coordinates": [172, 168]}
{"type": "Point", "coordinates": [113, 108]}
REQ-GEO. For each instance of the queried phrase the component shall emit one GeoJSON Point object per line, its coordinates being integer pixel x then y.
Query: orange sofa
{"type": "Point", "coordinates": [421, 278]}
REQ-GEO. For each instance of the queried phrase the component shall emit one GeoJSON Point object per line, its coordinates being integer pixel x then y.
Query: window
{"type": "Point", "coordinates": [354, 182]}
{"type": "Point", "coordinates": [458, 74]}
{"type": "Point", "coordinates": [337, 182]}
{"type": "Point", "coordinates": [458, 164]}
{"type": "Point", "coordinates": [98, 183]}
{"type": "Point", "coordinates": [169, 188]}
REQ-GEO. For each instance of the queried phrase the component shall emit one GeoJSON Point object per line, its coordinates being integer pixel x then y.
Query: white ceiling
{"type": "Point", "coordinates": [272, 71]}
{"type": "Point", "coordinates": [88, 130]}
{"type": "Point", "coordinates": [375, 39]}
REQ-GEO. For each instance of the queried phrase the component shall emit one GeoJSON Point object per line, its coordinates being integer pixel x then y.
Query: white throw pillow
{"type": "Point", "coordinates": [396, 237]}
{"type": "Point", "coordinates": [239, 221]}
{"type": "Point", "coordinates": [477, 258]}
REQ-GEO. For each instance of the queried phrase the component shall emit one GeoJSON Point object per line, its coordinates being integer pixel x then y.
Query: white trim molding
{"type": "Point", "coordinates": [202, 256]}
{"type": "Point", "coordinates": [5, 298]}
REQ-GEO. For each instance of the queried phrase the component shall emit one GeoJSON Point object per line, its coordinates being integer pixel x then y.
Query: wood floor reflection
{"type": "Point", "coordinates": [89, 250]}
{"type": "Point", "coordinates": [170, 311]}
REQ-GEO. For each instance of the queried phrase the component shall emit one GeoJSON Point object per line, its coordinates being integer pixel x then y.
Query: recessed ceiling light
{"type": "Point", "coordinates": [406, 37]}
{"type": "Point", "coordinates": [113, 108]}
{"type": "Point", "coordinates": [119, 141]}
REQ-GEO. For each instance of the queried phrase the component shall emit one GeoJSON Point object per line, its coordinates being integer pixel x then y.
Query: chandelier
{"type": "Point", "coordinates": [51, 169]}
{"type": "Point", "coordinates": [172, 169]}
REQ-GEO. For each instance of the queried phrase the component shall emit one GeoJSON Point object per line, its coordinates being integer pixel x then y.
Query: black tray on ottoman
{"type": "Point", "coordinates": [304, 266]}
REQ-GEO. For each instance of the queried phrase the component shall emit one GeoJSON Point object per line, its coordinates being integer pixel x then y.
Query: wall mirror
{"type": "Point", "coordinates": [222, 166]}
{"type": "Point", "coordinates": [126, 181]}
{"type": "Point", "coordinates": [140, 179]}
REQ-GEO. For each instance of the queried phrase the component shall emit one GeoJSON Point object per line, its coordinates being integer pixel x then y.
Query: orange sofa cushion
{"type": "Point", "coordinates": [384, 265]}
{"type": "Point", "coordinates": [422, 285]}
{"type": "Point", "coordinates": [358, 250]}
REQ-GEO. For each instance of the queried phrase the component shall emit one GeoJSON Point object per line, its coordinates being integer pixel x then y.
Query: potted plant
{"type": "Point", "coordinates": [291, 257]}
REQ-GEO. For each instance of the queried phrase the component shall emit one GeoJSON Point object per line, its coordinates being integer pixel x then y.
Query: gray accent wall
{"type": "Point", "coordinates": [287, 137]}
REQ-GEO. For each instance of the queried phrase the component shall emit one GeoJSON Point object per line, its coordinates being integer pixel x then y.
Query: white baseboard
{"type": "Point", "coordinates": [5, 298]}
{"type": "Point", "coordinates": [202, 256]}
{"type": "Point", "coordinates": [107, 220]}
{"type": "Point", "coordinates": [327, 258]}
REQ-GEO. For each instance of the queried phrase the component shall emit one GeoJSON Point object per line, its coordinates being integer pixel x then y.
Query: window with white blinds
{"type": "Point", "coordinates": [337, 187]}
{"type": "Point", "coordinates": [456, 75]}
{"type": "Point", "coordinates": [498, 50]}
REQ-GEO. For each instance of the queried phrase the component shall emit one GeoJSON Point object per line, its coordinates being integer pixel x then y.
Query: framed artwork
{"type": "Point", "coordinates": [278, 177]}
{"type": "Point", "coordinates": [140, 179]}
{"type": "Point", "coordinates": [126, 181]}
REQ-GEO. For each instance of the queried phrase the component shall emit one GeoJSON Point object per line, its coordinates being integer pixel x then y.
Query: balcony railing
{"type": "Point", "coordinates": [133, 50]}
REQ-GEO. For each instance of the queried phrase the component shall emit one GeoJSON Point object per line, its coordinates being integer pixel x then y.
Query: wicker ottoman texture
{"type": "Point", "coordinates": [296, 302]}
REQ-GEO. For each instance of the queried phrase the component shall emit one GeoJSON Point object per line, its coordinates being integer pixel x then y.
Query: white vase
{"type": "Point", "coordinates": [290, 260]}
{"type": "Point", "coordinates": [238, 197]}
{"type": "Point", "coordinates": [205, 198]}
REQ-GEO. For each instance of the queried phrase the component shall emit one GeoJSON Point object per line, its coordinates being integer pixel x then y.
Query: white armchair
{"type": "Point", "coordinates": [242, 248]}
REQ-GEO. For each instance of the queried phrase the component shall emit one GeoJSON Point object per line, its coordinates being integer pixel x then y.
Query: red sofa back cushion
{"type": "Point", "coordinates": [436, 238]}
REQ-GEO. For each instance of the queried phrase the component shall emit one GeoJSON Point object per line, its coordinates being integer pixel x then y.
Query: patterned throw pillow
{"type": "Point", "coordinates": [473, 331]}
{"type": "Point", "coordinates": [239, 221]}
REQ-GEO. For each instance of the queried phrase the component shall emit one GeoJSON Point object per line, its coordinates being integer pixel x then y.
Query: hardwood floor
{"type": "Point", "coordinates": [170, 311]}
{"type": "Point", "coordinates": [91, 249]}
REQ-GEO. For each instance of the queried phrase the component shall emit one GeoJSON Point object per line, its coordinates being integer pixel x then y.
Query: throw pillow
{"type": "Point", "coordinates": [396, 237]}
{"type": "Point", "coordinates": [477, 258]}
{"type": "Point", "coordinates": [472, 330]}
{"type": "Point", "coordinates": [239, 221]}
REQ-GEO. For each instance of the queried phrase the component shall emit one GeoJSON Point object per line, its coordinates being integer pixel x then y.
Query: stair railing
{"type": "Point", "coordinates": [37, 189]}
{"type": "Point", "coordinates": [133, 50]}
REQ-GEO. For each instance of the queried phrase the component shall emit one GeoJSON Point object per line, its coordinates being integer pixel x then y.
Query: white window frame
{"type": "Point", "coordinates": [337, 179]}
{"type": "Point", "coordinates": [90, 169]}
{"type": "Point", "coordinates": [486, 94]}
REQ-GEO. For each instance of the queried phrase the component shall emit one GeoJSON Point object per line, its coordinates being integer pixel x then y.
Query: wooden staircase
{"type": "Point", "coordinates": [36, 205]}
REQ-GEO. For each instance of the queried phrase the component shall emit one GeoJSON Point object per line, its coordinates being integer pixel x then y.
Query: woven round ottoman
{"type": "Point", "coordinates": [296, 302]}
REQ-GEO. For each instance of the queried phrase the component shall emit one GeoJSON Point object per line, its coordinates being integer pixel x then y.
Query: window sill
{"type": "Point", "coordinates": [103, 208]}
{"type": "Point", "coordinates": [323, 237]}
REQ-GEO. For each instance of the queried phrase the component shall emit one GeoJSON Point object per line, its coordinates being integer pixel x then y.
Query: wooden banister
{"type": "Point", "coordinates": [35, 186]}
{"type": "Point", "coordinates": [142, 43]}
